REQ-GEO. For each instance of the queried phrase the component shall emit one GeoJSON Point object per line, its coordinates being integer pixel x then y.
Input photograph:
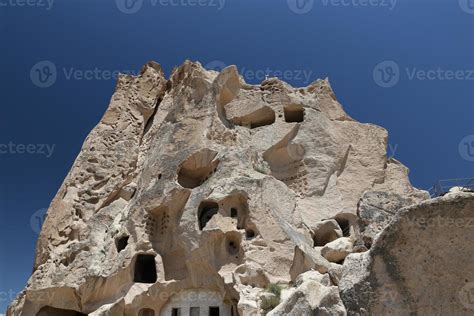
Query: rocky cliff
{"type": "Point", "coordinates": [205, 195]}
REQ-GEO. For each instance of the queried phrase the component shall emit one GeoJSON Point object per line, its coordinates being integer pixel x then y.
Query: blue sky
{"type": "Point", "coordinates": [405, 65]}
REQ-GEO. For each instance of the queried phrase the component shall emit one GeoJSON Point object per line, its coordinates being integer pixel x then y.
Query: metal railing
{"type": "Point", "coordinates": [441, 187]}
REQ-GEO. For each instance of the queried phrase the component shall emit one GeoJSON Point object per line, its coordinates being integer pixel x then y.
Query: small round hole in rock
{"type": "Point", "coordinates": [232, 247]}
{"type": "Point", "coordinates": [249, 234]}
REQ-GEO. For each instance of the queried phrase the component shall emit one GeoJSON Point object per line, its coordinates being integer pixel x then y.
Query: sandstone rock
{"type": "Point", "coordinates": [376, 209]}
{"type": "Point", "coordinates": [418, 264]}
{"type": "Point", "coordinates": [203, 185]}
{"type": "Point", "coordinates": [337, 250]}
{"type": "Point", "coordinates": [313, 296]}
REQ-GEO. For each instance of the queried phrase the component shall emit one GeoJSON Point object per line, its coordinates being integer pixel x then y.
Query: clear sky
{"type": "Point", "coordinates": [406, 65]}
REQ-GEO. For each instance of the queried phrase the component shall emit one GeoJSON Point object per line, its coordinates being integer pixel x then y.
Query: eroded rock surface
{"type": "Point", "coordinates": [196, 193]}
{"type": "Point", "coordinates": [421, 264]}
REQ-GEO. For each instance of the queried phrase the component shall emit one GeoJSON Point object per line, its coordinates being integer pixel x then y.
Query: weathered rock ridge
{"type": "Point", "coordinates": [194, 195]}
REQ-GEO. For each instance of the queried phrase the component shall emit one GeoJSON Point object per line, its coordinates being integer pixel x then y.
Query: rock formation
{"type": "Point", "coordinates": [197, 194]}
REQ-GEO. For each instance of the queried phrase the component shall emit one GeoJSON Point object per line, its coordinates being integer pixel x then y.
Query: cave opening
{"type": "Point", "coordinates": [294, 114]}
{"type": "Point", "coordinates": [207, 210]}
{"type": "Point", "coordinates": [49, 311]}
{"type": "Point", "coordinates": [145, 269]}
{"type": "Point", "coordinates": [214, 311]}
{"type": "Point", "coordinates": [121, 243]}
{"type": "Point", "coordinates": [345, 226]}
{"type": "Point", "coordinates": [146, 312]}
{"type": "Point", "coordinates": [197, 168]}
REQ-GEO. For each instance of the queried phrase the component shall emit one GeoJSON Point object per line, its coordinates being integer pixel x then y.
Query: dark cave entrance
{"type": "Point", "coordinates": [145, 269]}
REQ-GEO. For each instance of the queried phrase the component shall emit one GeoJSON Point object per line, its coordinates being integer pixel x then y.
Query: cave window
{"type": "Point", "coordinates": [197, 168]}
{"type": "Point", "coordinates": [194, 311]}
{"type": "Point", "coordinates": [176, 312]}
{"type": "Point", "coordinates": [233, 212]}
{"type": "Point", "coordinates": [249, 234]}
{"type": "Point", "coordinates": [48, 310]}
{"type": "Point", "coordinates": [145, 269]}
{"type": "Point", "coordinates": [122, 243]}
{"type": "Point", "coordinates": [321, 239]}
{"type": "Point", "coordinates": [146, 312]}
{"type": "Point", "coordinates": [214, 311]}
{"type": "Point", "coordinates": [207, 209]}
{"type": "Point", "coordinates": [345, 226]}
{"type": "Point", "coordinates": [294, 114]}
